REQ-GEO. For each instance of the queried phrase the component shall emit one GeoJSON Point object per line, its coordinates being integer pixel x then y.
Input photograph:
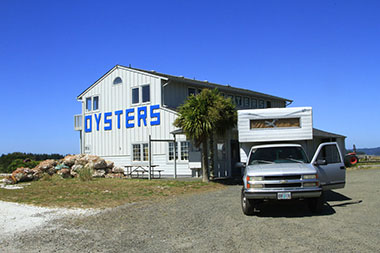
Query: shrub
{"type": "Point", "coordinates": [85, 174]}
{"type": "Point", "coordinates": [18, 163]}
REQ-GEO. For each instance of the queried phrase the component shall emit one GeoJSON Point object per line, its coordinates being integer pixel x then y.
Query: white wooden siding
{"type": "Point", "coordinates": [304, 132]}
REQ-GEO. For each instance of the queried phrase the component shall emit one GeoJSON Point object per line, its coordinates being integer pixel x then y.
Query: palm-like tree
{"type": "Point", "coordinates": [204, 115]}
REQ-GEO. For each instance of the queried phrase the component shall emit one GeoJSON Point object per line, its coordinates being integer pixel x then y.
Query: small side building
{"type": "Point", "coordinates": [127, 105]}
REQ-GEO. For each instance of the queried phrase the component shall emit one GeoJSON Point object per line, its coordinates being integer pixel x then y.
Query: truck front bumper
{"type": "Point", "coordinates": [295, 194]}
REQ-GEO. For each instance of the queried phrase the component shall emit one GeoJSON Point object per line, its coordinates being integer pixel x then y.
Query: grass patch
{"type": "Point", "coordinates": [100, 192]}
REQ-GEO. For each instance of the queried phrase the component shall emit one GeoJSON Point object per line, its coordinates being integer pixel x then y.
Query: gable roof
{"type": "Point", "coordinates": [193, 82]}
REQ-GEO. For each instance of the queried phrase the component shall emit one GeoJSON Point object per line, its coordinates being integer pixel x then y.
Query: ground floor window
{"type": "Point", "coordinates": [140, 152]}
{"type": "Point", "coordinates": [184, 151]}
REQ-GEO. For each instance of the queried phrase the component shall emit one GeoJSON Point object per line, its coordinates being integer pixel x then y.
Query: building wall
{"type": "Point", "coordinates": [107, 132]}
{"type": "Point", "coordinates": [115, 142]}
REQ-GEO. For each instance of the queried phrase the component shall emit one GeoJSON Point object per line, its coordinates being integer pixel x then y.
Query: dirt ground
{"type": "Point", "coordinates": [213, 221]}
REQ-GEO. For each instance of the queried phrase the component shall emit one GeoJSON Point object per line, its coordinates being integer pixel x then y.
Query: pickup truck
{"type": "Point", "coordinates": [283, 171]}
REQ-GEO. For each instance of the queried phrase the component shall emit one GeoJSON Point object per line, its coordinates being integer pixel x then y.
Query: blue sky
{"type": "Point", "coordinates": [324, 54]}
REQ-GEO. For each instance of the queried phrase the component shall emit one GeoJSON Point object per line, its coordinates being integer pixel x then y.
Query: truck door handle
{"type": "Point", "coordinates": [342, 167]}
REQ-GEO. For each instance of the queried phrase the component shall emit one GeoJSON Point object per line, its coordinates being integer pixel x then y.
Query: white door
{"type": "Point", "coordinates": [330, 166]}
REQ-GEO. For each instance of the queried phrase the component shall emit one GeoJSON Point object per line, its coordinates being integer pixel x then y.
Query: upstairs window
{"type": "Point", "coordinates": [117, 80]}
{"type": "Point", "coordinates": [191, 91]}
{"type": "Point", "coordinates": [238, 100]}
{"type": "Point", "coordinates": [246, 102]}
{"type": "Point", "coordinates": [146, 93]}
{"type": "Point", "coordinates": [95, 103]}
{"type": "Point", "coordinates": [261, 104]}
{"type": "Point", "coordinates": [254, 103]}
{"type": "Point", "coordinates": [135, 95]}
{"type": "Point", "coordinates": [88, 104]}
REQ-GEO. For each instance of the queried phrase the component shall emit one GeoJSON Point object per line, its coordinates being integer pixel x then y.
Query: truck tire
{"type": "Point", "coordinates": [316, 204]}
{"type": "Point", "coordinates": [247, 205]}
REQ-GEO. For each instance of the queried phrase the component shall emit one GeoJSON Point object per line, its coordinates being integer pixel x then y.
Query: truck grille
{"type": "Point", "coordinates": [287, 185]}
{"type": "Point", "coordinates": [291, 177]}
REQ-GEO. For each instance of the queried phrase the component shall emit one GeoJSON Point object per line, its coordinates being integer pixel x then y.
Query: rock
{"type": "Point", "coordinates": [22, 175]}
{"type": "Point", "coordinates": [65, 173]}
{"type": "Point", "coordinates": [76, 167]}
{"type": "Point", "coordinates": [117, 170]}
{"type": "Point", "coordinates": [98, 173]}
{"type": "Point", "coordinates": [110, 164]}
{"type": "Point", "coordinates": [9, 180]}
{"type": "Point", "coordinates": [100, 164]}
{"type": "Point", "coordinates": [70, 160]}
{"type": "Point", "coordinates": [47, 166]}
{"type": "Point", "coordinates": [73, 173]}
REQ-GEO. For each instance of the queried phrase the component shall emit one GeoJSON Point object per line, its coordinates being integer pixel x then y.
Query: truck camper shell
{"type": "Point", "coordinates": [282, 125]}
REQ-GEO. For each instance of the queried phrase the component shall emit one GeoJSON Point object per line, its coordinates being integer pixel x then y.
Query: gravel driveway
{"type": "Point", "coordinates": [213, 221]}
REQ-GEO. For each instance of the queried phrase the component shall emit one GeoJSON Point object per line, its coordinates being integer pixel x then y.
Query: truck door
{"type": "Point", "coordinates": [330, 166]}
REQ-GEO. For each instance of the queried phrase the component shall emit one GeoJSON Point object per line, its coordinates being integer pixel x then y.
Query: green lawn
{"type": "Point", "coordinates": [100, 192]}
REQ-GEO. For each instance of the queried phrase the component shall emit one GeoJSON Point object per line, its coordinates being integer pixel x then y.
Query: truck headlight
{"type": "Point", "coordinates": [257, 178]}
{"type": "Point", "coordinates": [314, 176]}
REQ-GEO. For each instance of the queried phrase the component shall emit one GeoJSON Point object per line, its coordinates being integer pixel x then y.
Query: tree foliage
{"type": "Point", "coordinates": [18, 158]}
{"type": "Point", "coordinates": [202, 116]}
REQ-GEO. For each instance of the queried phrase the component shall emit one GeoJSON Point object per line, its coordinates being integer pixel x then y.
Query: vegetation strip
{"type": "Point", "coordinates": [100, 192]}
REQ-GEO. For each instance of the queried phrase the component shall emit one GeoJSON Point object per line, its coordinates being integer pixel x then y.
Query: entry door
{"type": "Point", "coordinates": [220, 170]}
{"type": "Point", "coordinates": [330, 166]}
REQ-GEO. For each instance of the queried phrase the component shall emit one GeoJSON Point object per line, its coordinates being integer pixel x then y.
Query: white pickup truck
{"type": "Point", "coordinates": [283, 172]}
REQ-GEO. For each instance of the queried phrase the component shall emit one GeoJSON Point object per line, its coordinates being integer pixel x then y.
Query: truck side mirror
{"type": "Point", "coordinates": [240, 165]}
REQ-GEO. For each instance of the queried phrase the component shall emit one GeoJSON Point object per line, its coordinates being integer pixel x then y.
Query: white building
{"type": "Point", "coordinates": [126, 105]}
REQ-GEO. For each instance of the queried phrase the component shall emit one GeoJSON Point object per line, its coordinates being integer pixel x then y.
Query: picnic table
{"type": "Point", "coordinates": [141, 170]}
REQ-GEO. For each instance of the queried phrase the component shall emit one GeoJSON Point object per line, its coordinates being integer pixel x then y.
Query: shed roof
{"type": "Point", "coordinates": [320, 133]}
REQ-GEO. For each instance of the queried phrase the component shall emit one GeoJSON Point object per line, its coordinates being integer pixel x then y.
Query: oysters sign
{"type": "Point", "coordinates": [123, 118]}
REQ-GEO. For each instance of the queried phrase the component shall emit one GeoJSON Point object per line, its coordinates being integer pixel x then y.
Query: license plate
{"type": "Point", "coordinates": [284, 195]}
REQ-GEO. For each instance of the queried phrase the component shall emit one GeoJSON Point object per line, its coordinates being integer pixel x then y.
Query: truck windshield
{"type": "Point", "coordinates": [278, 155]}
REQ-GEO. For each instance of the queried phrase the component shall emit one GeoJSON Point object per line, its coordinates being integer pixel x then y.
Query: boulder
{"type": "Point", "coordinates": [73, 173]}
{"type": "Point", "coordinates": [98, 173]}
{"type": "Point", "coordinates": [65, 173]}
{"type": "Point", "coordinates": [70, 160]}
{"type": "Point", "coordinates": [9, 180]}
{"type": "Point", "coordinates": [22, 175]}
{"type": "Point", "coordinates": [47, 166]}
{"type": "Point", "coordinates": [76, 167]}
{"type": "Point", "coordinates": [110, 164]}
{"type": "Point", "coordinates": [117, 170]}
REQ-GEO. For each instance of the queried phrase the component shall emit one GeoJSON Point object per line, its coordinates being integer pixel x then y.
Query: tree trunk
{"type": "Point", "coordinates": [212, 163]}
{"type": "Point", "coordinates": [204, 161]}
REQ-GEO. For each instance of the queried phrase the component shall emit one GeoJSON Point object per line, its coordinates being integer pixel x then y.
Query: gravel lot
{"type": "Point", "coordinates": [213, 221]}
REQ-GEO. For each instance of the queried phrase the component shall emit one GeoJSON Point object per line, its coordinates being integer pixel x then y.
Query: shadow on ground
{"type": "Point", "coordinates": [295, 208]}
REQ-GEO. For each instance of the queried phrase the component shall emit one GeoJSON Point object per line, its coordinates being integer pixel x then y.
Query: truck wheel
{"type": "Point", "coordinates": [316, 204]}
{"type": "Point", "coordinates": [247, 205]}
